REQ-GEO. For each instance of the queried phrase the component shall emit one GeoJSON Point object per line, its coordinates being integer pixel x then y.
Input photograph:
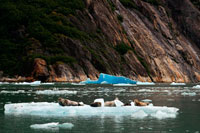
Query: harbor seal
{"type": "Point", "coordinates": [139, 103]}
{"type": "Point", "coordinates": [67, 102]}
{"type": "Point", "coordinates": [101, 103]}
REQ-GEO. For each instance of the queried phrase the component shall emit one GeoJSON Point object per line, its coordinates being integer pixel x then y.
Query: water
{"type": "Point", "coordinates": [186, 121]}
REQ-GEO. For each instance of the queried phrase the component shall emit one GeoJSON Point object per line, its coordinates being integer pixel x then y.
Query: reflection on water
{"type": "Point", "coordinates": [187, 120]}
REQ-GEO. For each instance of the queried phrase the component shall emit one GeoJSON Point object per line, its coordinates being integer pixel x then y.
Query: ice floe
{"type": "Point", "coordinates": [13, 92]}
{"type": "Point", "coordinates": [147, 100]}
{"type": "Point", "coordinates": [52, 126]}
{"type": "Point", "coordinates": [188, 93]}
{"type": "Point", "coordinates": [109, 79]}
{"type": "Point", "coordinates": [196, 87]}
{"type": "Point", "coordinates": [173, 83]}
{"type": "Point", "coordinates": [55, 92]}
{"type": "Point", "coordinates": [53, 109]}
{"type": "Point", "coordinates": [145, 83]}
{"type": "Point", "coordinates": [35, 83]}
{"type": "Point", "coordinates": [124, 84]}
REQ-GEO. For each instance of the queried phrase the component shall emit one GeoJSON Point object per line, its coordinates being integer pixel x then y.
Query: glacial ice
{"type": "Point", "coordinates": [109, 79]}
{"type": "Point", "coordinates": [55, 110]}
{"type": "Point", "coordinates": [196, 87]}
{"type": "Point", "coordinates": [173, 83]}
{"type": "Point", "coordinates": [52, 126]}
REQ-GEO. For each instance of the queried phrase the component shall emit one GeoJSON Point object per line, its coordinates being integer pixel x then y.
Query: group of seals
{"type": "Point", "coordinates": [67, 102]}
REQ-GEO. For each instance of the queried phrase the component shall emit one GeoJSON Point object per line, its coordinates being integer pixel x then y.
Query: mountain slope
{"type": "Point", "coordinates": [58, 40]}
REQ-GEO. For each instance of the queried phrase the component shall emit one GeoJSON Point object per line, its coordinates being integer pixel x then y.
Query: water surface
{"type": "Point", "coordinates": [186, 98]}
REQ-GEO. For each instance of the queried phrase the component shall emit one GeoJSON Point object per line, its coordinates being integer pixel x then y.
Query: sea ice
{"type": "Point", "coordinates": [35, 83]}
{"type": "Point", "coordinates": [124, 84]}
{"type": "Point", "coordinates": [52, 126]}
{"type": "Point", "coordinates": [54, 109]}
{"type": "Point", "coordinates": [145, 83]}
{"type": "Point", "coordinates": [12, 92]}
{"type": "Point", "coordinates": [188, 93]}
{"type": "Point", "coordinates": [55, 92]}
{"type": "Point", "coordinates": [110, 79]}
{"type": "Point", "coordinates": [173, 83]}
{"type": "Point", "coordinates": [196, 87]}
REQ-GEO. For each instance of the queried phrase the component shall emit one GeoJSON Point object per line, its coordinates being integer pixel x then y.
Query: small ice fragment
{"type": "Point", "coordinates": [145, 83]}
{"type": "Point", "coordinates": [173, 83]}
{"type": "Point", "coordinates": [124, 84]}
{"type": "Point", "coordinates": [196, 87]}
{"type": "Point", "coordinates": [53, 125]}
{"type": "Point", "coordinates": [147, 100]}
{"type": "Point", "coordinates": [55, 92]}
{"type": "Point", "coordinates": [188, 93]}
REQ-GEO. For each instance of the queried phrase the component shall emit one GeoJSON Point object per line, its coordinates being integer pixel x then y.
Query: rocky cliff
{"type": "Point", "coordinates": [146, 40]}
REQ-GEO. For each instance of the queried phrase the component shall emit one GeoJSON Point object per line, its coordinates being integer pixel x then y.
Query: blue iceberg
{"type": "Point", "coordinates": [109, 79]}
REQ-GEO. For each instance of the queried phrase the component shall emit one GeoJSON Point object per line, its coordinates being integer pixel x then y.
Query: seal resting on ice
{"type": "Point", "coordinates": [101, 103]}
{"type": "Point", "coordinates": [67, 102]}
{"type": "Point", "coordinates": [139, 103]}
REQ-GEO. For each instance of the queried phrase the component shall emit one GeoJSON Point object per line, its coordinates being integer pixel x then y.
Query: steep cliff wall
{"type": "Point", "coordinates": [147, 41]}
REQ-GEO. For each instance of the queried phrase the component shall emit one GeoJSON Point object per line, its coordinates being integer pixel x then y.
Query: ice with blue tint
{"type": "Point", "coordinates": [52, 126]}
{"type": "Point", "coordinates": [109, 79]}
{"type": "Point", "coordinates": [45, 109]}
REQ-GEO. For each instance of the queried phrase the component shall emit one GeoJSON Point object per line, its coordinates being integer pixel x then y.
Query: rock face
{"type": "Point", "coordinates": [162, 43]}
{"type": "Point", "coordinates": [40, 70]}
{"type": "Point", "coordinates": [164, 39]}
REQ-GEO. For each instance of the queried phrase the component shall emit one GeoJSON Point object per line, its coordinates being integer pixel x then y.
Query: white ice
{"type": "Point", "coordinates": [55, 92]}
{"type": "Point", "coordinates": [12, 92]}
{"type": "Point", "coordinates": [145, 83]}
{"type": "Point", "coordinates": [196, 87]}
{"type": "Point", "coordinates": [54, 109]}
{"type": "Point", "coordinates": [147, 100]}
{"type": "Point", "coordinates": [35, 83]}
{"type": "Point", "coordinates": [52, 126]}
{"type": "Point", "coordinates": [124, 84]}
{"type": "Point", "coordinates": [188, 93]}
{"type": "Point", "coordinates": [173, 83]}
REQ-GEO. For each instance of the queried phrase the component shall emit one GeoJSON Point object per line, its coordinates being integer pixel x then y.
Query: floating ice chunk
{"type": "Point", "coordinates": [173, 83]}
{"type": "Point", "coordinates": [145, 83]}
{"type": "Point", "coordinates": [55, 92]}
{"type": "Point", "coordinates": [13, 92]}
{"type": "Point", "coordinates": [35, 83]}
{"type": "Point", "coordinates": [196, 87]}
{"type": "Point", "coordinates": [47, 83]}
{"type": "Point", "coordinates": [188, 93]}
{"type": "Point", "coordinates": [110, 79]}
{"type": "Point", "coordinates": [77, 84]}
{"type": "Point", "coordinates": [124, 84]}
{"type": "Point", "coordinates": [54, 109]}
{"type": "Point", "coordinates": [147, 90]}
{"type": "Point", "coordinates": [53, 125]}
{"type": "Point", "coordinates": [1, 83]}
{"type": "Point", "coordinates": [147, 100]}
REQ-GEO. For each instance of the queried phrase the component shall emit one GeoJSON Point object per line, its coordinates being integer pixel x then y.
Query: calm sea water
{"type": "Point", "coordinates": [185, 98]}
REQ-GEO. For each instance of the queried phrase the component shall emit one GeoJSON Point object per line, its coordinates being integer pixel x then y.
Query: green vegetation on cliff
{"type": "Point", "coordinates": [22, 20]}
